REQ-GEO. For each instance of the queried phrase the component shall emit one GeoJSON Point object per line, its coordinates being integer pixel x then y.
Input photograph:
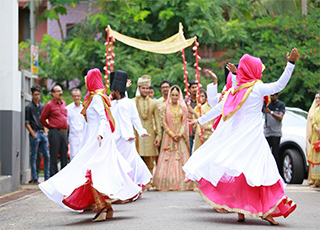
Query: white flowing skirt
{"type": "Point", "coordinates": [140, 173]}
{"type": "Point", "coordinates": [109, 170]}
{"type": "Point", "coordinates": [237, 146]}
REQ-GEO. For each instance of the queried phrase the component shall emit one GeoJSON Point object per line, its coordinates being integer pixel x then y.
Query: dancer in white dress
{"type": "Point", "coordinates": [126, 116]}
{"type": "Point", "coordinates": [99, 169]}
{"type": "Point", "coordinates": [235, 169]}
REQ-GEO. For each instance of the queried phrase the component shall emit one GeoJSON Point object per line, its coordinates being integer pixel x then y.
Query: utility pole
{"type": "Point", "coordinates": [32, 30]}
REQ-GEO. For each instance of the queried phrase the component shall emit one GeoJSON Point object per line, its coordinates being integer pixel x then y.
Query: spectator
{"type": "Point", "coordinates": [207, 127]}
{"type": "Point", "coordinates": [311, 133]}
{"type": "Point", "coordinates": [76, 122]}
{"type": "Point", "coordinates": [161, 102]}
{"type": "Point", "coordinates": [38, 138]}
{"type": "Point", "coordinates": [272, 127]}
{"type": "Point", "coordinates": [193, 89]}
{"type": "Point", "coordinates": [151, 92]}
{"type": "Point", "coordinates": [56, 114]}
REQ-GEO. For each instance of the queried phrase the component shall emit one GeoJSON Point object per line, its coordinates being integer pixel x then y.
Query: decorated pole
{"type": "Point", "coordinates": [197, 76]}
{"type": "Point", "coordinates": [112, 55]}
{"type": "Point", "coordinates": [109, 57]}
{"type": "Point", "coordinates": [185, 77]}
{"type": "Point", "coordinates": [106, 68]}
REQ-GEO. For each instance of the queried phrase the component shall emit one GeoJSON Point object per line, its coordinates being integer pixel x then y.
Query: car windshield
{"type": "Point", "coordinates": [295, 118]}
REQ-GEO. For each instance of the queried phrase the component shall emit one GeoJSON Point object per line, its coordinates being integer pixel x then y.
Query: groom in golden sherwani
{"type": "Point", "coordinates": [147, 109]}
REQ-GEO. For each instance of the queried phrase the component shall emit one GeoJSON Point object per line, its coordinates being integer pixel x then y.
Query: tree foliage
{"type": "Point", "coordinates": [234, 25]}
{"type": "Point", "coordinates": [271, 37]}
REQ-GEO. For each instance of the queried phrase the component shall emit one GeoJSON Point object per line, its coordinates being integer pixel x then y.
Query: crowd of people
{"type": "Point", "coordinates": [121, 147]}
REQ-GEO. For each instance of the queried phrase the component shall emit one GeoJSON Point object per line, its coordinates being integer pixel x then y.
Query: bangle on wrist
{"type": "Point", "coordinates": [271, 113]}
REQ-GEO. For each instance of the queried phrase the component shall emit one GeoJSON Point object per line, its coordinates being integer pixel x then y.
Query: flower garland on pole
{"type": "Point", "coordinates": [197, 76]}
{"type": "Point", "coordinates": [109, 57]}
{"type": "Point", "coordinates": [184, 68]}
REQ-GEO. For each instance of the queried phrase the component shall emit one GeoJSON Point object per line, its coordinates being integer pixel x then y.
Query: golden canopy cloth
{"type": "Point", "coordinates": [170, 45]}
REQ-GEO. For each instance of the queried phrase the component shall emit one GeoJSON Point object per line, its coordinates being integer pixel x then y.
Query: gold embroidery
{"type": "Point", "coordinates": [139, 109]}
{"type": "Point", "coordinates": [248, 85]}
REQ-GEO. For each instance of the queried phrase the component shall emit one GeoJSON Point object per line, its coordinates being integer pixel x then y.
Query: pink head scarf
{"type": "Point", "coordinates": [95, 86]}
{"type": "Point", "coordinates": [229, 81]}
{"type": "Point", "coordinates": [249, 71]}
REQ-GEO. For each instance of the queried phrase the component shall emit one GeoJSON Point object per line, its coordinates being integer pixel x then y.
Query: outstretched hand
{"type": "Point", "coordinates": [145, 135]}
{"type": "Point", "coordinates": [99, 139]}
{"type": "Point", "coordinates": [130, 139]}
{"type": "Point", "coordinates": [293, 56]}
{"type": "Point", "coordinates": [212, 74]}
{"type": "Point", "coordinates": [231, 67]}
{"type": "Point", "coordinates": [129, 83]}
{"type": "Point", "coordinates": [192, 121]}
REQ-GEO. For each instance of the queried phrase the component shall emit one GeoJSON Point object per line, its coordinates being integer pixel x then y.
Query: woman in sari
{"type": "Point", "coordinates": [199, 138]}
{"type": "Point", "coordinates": [99, 171]}
{"type": "Point", "coordinates": [314, 105]}
{"type": "Point", "coordinates": [175, 145]}
{"type": "Point", "coordinates": [313, 156]}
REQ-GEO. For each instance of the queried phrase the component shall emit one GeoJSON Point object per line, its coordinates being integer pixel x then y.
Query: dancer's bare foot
{"type": "Point", "coordinates": [270, 219]}
{"type": "Point", "coordinates": [241, 217]}
{"type": "Point", "coordinates": [221, 210]}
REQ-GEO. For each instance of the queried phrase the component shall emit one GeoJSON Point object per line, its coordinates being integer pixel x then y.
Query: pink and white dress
{"type": "Point", "coordinates": [235, 168]}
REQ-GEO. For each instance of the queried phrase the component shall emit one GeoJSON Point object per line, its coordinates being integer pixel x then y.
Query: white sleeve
{"type": "Point", "coordinates": [213, 113]}
{"type": "Point", "coordinates": [275, 87]}
{"type": "Point", "coordinates": [98, 106]}
{"type": "Point", "coordinates": [136, 120]}
{"type": "Point", "coordinates": [212, 92]}
{"type": "Point", "coordinates": [125, 122]}
{"type": "Point", "coordinates": [68, 116]}
{"type": "Point", "coordinates": [234, 80]}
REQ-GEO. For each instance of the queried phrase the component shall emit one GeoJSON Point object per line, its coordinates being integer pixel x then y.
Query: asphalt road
{"type": "Point", "coordinates": [156, 210]}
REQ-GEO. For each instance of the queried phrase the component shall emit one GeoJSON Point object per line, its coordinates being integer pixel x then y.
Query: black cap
{"type": "Point", "coordinates": [118, 81]}
{"type": "Point", "coordinates": [111, 78]}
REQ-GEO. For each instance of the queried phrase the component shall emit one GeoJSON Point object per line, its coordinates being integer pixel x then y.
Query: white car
{"type": "Point", "coordinates": [293, 146]}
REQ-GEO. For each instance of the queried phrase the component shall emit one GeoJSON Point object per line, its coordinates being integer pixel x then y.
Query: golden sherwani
{"type": "Point", "coordinates": [161, 104]}
{"type": "Point", "coordinates": [147, 109]}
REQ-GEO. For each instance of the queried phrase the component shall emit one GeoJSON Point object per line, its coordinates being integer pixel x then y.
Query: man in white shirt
{"type": "Point", "coordinates": [76, 122]}
{"type": "Point", "coordinates": [126, 116]}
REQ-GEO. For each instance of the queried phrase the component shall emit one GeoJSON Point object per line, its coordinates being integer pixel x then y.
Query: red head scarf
{"type": "Point", "coordinates": [95, 86]}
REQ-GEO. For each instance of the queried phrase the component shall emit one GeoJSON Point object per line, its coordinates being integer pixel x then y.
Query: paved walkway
{"type": "Point", "coordinates": [155, 210]}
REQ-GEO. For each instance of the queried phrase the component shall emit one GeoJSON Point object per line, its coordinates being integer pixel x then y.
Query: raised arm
{"type": "Point", "coordinates": [212, 89]}
{"type": "Point", "coordinates": [275, 87]}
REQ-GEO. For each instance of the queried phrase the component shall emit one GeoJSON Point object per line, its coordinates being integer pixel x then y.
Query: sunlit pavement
{"type": "Point", "coordinates": [155, 210]}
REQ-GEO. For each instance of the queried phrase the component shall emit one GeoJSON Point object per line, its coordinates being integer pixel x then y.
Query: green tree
{"type": "Point", "coordinates": [271, 37]}
{"type": "Point", "coordinates": [58, 7]}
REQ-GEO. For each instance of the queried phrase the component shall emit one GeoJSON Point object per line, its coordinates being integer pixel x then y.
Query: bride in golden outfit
{"type": "Point", "coordinates": [175, 145]}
